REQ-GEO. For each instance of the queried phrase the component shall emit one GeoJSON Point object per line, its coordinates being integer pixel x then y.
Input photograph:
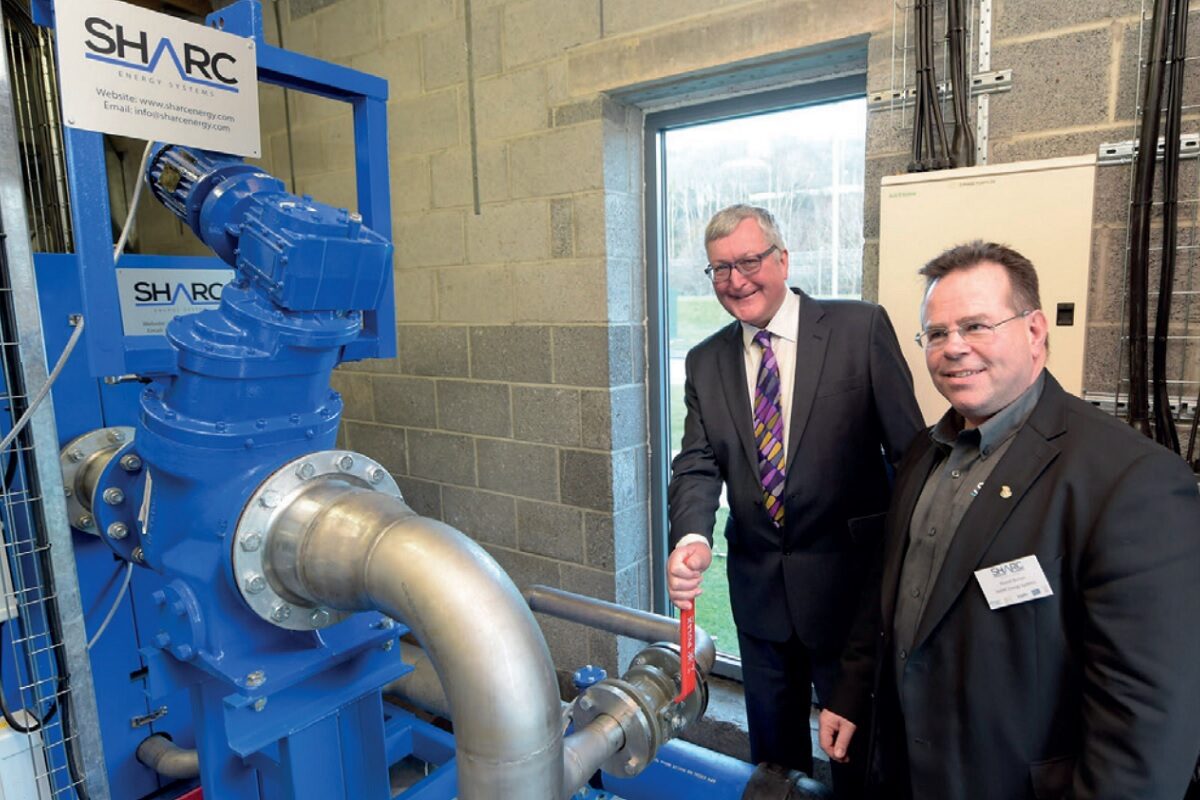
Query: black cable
{"type": "Point", "coordinates": [1165, 432]}
{"type": "Point", "coordinates": [8, 715]}
{"type": "Point", "coordinates": [962, 148]}
{"type": "Point", "coordinates": [1139, 222]}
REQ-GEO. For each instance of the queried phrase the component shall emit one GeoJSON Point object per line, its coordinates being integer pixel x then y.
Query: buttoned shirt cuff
{"type": "Point", "coordinates": [688, 538]}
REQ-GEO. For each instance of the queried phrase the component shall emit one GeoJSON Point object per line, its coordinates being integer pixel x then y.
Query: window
{"type": "Point", "coordinates": [800, 154]}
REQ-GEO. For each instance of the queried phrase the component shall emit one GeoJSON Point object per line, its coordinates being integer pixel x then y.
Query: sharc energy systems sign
{"type": "Point", "coordinates": [128, 71]}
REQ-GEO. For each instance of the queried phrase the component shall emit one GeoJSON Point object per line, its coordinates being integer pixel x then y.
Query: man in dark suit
{"type": "Point", "coordinates": [796, 409]}
{"type": "Point", "coordinates": [1035, 635]}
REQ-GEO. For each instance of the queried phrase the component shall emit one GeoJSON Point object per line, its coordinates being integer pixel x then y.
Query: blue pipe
{"type": "Point", "coordinates": [684, 770]}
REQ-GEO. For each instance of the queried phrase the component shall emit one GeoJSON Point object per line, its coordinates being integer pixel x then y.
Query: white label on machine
{"type": "Point", "coordinates": [150, 298]}
{"type": "Point", "coordinates": [134, 72]}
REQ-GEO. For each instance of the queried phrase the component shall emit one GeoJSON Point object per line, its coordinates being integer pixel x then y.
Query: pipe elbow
{"type": "Point", "coordinates": [167, 758]}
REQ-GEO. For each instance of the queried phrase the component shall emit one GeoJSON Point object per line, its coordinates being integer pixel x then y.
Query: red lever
{"type": "Point", "coordinates": [687, 652]}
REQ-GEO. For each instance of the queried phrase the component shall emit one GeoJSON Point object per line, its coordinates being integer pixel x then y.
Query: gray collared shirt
{"type": "Point", "coordinates": [965, 460]}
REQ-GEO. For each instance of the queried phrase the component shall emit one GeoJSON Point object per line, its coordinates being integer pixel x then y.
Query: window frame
{"type": "Point", "coordinates": [657, 124]}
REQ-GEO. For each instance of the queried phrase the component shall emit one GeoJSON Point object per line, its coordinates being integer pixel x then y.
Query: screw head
{"type": "Point", "coordinates": [388, 645]}
{"type": "Point", "coordinates": [75, 456]}
{"type": "Point", "coordinates": [256, 679]}
{"type": "Point", "coordinates": [115, 436]}
{"type": "Point", "coordinates": [260, 704]}
{"type": "Point", "coordinates": [270, 499]}
{"type": "Point", "coordinates": [281, 612]}
{"type": "Point", "coordinates": [376, 474]}
{"type": "Point", "coordinates": [113, 496]}
{"type": "Point", "coordinates": [251, 542]}
{"type": "Point", "coordinates": [306, 470]}
{"type": "Point", "coordinates": [139, 555]}
{"type": "Point", "coordinates": [346, 463]}
{"type": "Point", "coordinates": [130, 462]}
{"type": "Point", "coordinates": [118, 530]}
{"type": "Point", "coordinates": [255, 583]}
{"type": "Point", "coordinates": [83, 521]}
{"type": "Point", "coordinates": [319, 616]}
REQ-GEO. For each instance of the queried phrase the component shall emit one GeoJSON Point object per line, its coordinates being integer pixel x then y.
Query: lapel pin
{"type": "Point", "coordinates": [1005, 492]}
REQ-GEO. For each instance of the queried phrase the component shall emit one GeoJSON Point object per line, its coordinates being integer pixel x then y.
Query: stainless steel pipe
{"type": "Point", "coordinates": [584, 750]}
{"type": "Point", "coordinates": [605, 616]}
{"type": "Point", "coordinates": [355, 549]}
{"type": "Point", "coordinates": [167, 758]}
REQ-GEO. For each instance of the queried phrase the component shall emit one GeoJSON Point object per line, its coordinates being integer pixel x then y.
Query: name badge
{"type": "Point", "coordinates": [1013, 582]}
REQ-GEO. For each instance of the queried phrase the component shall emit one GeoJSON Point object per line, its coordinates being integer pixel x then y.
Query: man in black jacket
{"type": "Point", "coordinates": [1041, 579]}
{"type": "Point", "coordinates": [796, 410]}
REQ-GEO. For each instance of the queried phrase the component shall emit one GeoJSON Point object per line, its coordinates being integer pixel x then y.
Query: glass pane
{"type": "Point", "coordinates": [806, 166]}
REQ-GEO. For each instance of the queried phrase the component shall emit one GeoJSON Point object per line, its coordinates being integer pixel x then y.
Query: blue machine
{"type": "Point", "coordinates": [180, 450]}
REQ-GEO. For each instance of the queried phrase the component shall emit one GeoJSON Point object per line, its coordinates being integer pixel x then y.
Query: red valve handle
{"type": "Point", "coordinates": [687, 652]}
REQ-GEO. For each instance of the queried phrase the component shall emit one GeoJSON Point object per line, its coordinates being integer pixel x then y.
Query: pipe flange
{"type": "Point", "coordinates": [624, 703]}
{"type": "Point", "coordinates": [82, 461]}
{"type": "Point", "coordinates": [266, 504]}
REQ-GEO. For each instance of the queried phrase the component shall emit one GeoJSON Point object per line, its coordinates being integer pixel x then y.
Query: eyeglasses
{"type": "Point", "coordinates": [720, 272]}
{"type": "Point", "coordinates": [971, 333]}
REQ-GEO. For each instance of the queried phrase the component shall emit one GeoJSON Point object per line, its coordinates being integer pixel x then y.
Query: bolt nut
{"type": "Point", "coordinates": [376, 474]}
{"type": "Point", "coordinates": [118, 530]}
{"type": "Point", "coordinates": [631, 766]}
{"type": "Point", "coordinates": [115, 436]}
{"type": "Point", "coordinates": [281, 612]}
{"type": "Point", "coordinates": [270, 499]}
{"type": "Point", "coordinates": [83, 521]}
{"type": "Point", "coordinates": [130, 462]}
{"type": "Point", "coordinates": [388, 645]}
{"type": "Point", "coordinates": [256, 679]}
{"type": "Point", "coordinates": [254, 583]}
{"type": "Point", "coordinates": [75, 456]}
{"type": "Point", "coordinates": [113, 496]}
{"type": "Point", "coordinates": [586, 703]}
{"type": "Point", "coordinates": [68, 491]}
{"type": "Point", "coordinates": [260, 704]}
{"type": "Point", "coordinates": [346, 463]}
{"type": "Point", "coordinates": [306, 470]}
{"type": "Point", "coordinates": [139, 555]}
{"type": "Point", "coordinates": [251, 542]}
{"type": "Point", "coordinates": [319, 616]}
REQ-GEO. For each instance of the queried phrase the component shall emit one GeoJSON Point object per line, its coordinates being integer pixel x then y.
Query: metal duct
{"type": "Point", "coordinates": [355, 549]}
{"type": "Point", "coordinates": [167, 758]}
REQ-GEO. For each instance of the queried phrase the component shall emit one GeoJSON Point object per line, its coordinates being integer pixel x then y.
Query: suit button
{"type": "Point", "coordinates": [903, 655]}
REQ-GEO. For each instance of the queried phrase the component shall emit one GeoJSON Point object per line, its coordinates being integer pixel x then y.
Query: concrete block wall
{"type": "Point", "coordinates": [516, 408]}
{"type": "Point", "coordinates": [1076, 85]}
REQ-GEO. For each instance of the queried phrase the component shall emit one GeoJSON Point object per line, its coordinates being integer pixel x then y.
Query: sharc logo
{"type": "Point", "coordinates": [113, 44]}
{"type": "Point", "coordinates": [163, 293]}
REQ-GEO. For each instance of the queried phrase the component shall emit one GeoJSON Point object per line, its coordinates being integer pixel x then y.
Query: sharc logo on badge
{"type": "Point", "coordinates": [112, 44]}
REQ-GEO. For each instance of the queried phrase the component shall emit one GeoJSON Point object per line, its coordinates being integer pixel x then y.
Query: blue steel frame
{"type": "Point", "coordinates": [287, 743]}
{"type": "Point", "coordinates": [110, 351]}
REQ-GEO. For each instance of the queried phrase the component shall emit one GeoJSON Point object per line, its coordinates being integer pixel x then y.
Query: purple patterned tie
{"type": "Point", "coordinates": [768, 429]}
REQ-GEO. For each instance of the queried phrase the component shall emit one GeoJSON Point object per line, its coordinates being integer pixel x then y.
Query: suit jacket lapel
{"type": "Point", "coordinates": [905, 500]}
{"type": "Point", "coordinates": [812, 339]}
{"type": "Point", "coordinates": [1030, 453]}
{"type": "Point", "coordinates": [731, 363]}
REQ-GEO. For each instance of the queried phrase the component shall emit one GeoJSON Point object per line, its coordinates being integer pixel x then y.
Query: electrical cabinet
{"type": "Point", "coordinates": [1043, 209]}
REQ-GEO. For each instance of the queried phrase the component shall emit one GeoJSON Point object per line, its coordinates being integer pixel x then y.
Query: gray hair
{"type": "Point", "coordinates": [725, 220]}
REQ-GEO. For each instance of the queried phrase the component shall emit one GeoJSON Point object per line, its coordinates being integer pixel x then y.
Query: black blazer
{"type": "Point", "coordinates": [852, 403]}
{"type": "Point", "coordinates": [1093, 692]}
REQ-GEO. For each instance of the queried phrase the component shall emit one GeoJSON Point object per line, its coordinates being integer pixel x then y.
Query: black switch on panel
{"type": "Point", "coordinates": [1066, 314]}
